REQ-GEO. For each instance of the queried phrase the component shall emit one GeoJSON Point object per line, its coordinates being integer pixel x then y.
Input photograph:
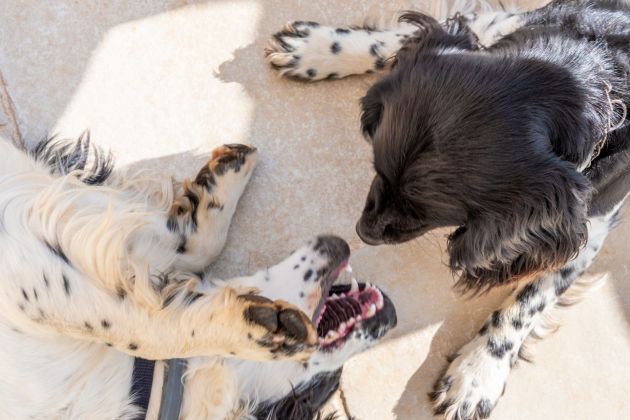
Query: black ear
{"type": "Point", "coordinates": [371, 113]}
{"type": "Point", "coordinates": [305, 401]}
{"type": "Point", "coordinates": [545, 228]}
{"type": "Point", "coordinates": [431, 34]}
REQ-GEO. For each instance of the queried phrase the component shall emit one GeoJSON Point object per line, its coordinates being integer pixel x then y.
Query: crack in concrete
{"type": "Point", "coordinates": [9, 111]}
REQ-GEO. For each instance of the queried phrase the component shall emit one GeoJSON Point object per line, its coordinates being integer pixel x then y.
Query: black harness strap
{"type": "Point", "coordinates": [141, 383]}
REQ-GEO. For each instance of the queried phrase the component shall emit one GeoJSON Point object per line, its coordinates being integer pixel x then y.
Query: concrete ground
{"type": "Point", "coordinates": [160, 82]}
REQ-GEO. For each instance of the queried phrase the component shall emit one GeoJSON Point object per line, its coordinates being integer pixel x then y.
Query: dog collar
{"type": "Point", "coordinates": [172, 387]}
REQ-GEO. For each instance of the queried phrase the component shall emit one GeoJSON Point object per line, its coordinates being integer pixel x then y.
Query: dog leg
{"type": "Point", "coordinates": [477, 375]}
{"type": "Point", "coordinates": [202, 215]}
{"type": "Point", "coordinates": [193, 320]}
{"type": "Point", "coordinates": [309, 51]}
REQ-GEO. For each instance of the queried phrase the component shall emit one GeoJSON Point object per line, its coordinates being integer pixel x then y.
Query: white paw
{"type": "Point", "coordinates": [474, 381]}
{"type": "Point", "coordinates": [310, 51]}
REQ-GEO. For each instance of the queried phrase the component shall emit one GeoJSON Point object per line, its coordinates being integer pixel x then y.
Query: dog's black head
{"type": "Point", "coordinates": [488, 144]}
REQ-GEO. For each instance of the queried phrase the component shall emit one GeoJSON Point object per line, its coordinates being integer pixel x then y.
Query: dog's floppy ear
{"type": "Point", "coordinates": [543, 231]}
{"type": "Point", "coordinates": [371, 113]}
{"type": "Point", "coordinates": [431, 34]}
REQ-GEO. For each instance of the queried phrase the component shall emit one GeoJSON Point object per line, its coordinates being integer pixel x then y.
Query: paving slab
{"type": "Point", "coordinates": [161, 83]}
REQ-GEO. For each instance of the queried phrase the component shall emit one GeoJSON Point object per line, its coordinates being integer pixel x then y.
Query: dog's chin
{"type": "Point", "coordinates": [390, 236]}
{"type": "Point", "coordinates": [354, 310]}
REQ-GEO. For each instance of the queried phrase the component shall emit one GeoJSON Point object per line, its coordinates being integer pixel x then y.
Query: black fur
{"type": "Point", "coordinates": [305, 402]}
{"type": "Point", "coordinates": [514, 144]}
{"type": "Point", "coordinates": [65, 156]}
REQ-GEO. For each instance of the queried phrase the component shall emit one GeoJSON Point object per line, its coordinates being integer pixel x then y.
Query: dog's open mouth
{"type": "Point", "coordinates": [345, 307]}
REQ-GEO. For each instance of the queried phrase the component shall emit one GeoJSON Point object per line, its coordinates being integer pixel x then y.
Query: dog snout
{"type": "Point", "coordinates": [369, 234]}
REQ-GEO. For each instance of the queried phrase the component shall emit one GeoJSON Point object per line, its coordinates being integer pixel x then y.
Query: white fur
{"type": "Point", "coordinates": [83, 291]}
{"type": "Point", "coordinates": [476, 378]}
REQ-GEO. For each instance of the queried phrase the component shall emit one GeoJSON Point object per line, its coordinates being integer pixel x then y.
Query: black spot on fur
{"type": "Point", "coordinates": [132, 346]}
{"type": "Point", "coordinates": [108, 344]}
{"type": "Point", "coordinates": [171, 224]}
{"type": "Point", "coordinates": [296, 266]}
{"type": "Point", "coordinates": [496, 319]}
{"type": "Point", "coordinates": [232, 353]}
{"type": "Point", "coordinates": [342, 31]}
{"type": "Point", "coordinates": [484, 329]}
{"type": "Point", "coordinates": [484, 408]}
{"type": "Point", "coordinates": [58, 252]}
{"type": "Point", "coordinates": [379, 64]}
{"type": "Point", "coordinates": [105, 324]}
{"type": "Point", "coordinates": [249, 335]}
{"type": "Point", "coordinates": [25, 295]}
{"type": "Point", "coordinates": [168, 300]}
{"type": "Point", "coordinates": [192, 333]}
{"type": "Point", "coordinates": [88, 326]}
{"type": "Point", "coordinates": [563, 282]}
{"type": "Point", "coordinates": [45, 280]}
{"type": "Point", "coordinates": [35, 294]}
{"type": "Point", "coordinates": [374, 50]}
{"type": "Point", "coordinates": [121, 293]}
{"type": "Point", "coordinates": [527, 293]}
{"type": "Point", "coordinates": [499, 349]}
{"type": "Point", "coordinates": [66, 285]}
{"type": "Point", "coordinates": [303, 258]}
{"type": "Point", "coordinates": [311, 73]}
{"type": "Point", "coordinates": [308, 275]}
{"type": "Point", "coordinates": [21, 306]}
{"type": "Point", "coordinates": [567, 271]}
{"type": "Point", "coordinates": [301, 294]}
{"type": "Point", "coordinates": [181, 248]}
{"type": "Point", "coordinates": [194, 204]}
{"type": "Point", "coordinates": [335, 48]}
{"type": "Point", "coordinates": [517, 323]}
{"type": "Point", "coordinates": [191, 297]}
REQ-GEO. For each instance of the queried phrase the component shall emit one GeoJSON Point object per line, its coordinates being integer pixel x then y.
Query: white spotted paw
{"type": "Point", "coordinates": [474, 381]}
{"type": "Point", "coordinates": [309, 51]}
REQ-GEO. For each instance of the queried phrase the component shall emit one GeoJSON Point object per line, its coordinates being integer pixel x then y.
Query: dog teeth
{"type": "Point", "coordinates": [371, 311]}
{"type": "Point", "coordinates": [348, 268]}
{"type": "Point", "coordinates": [379, 302]}
{"type": "Point", "coordinates": [354, 285]}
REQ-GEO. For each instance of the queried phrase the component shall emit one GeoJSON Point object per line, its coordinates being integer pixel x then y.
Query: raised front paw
{"type": "Point", "coordinates": [277, 329]}
{"type": "Point", "coordinates": [228, 158]}
{"type": "Point", "coordinates": [474, 381]}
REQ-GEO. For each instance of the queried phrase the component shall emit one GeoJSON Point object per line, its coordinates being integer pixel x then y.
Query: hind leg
{"type": "Point", "coordinates": [203, 213]}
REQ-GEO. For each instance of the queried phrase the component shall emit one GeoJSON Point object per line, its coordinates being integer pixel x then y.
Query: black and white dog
{"type": "Point", "coordinates": [511, 127]}
{"type": "Point", "coordinates": [98, 268]}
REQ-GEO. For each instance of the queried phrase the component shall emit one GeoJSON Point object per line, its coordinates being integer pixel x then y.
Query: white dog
{"type": "Point", "coordinates": [98, 270]}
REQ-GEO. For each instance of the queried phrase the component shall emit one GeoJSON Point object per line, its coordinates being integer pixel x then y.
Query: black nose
{"type": "Point", "coordinates": [367, 236]}
{"type": "Point", "coordinates": [336, 249]}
